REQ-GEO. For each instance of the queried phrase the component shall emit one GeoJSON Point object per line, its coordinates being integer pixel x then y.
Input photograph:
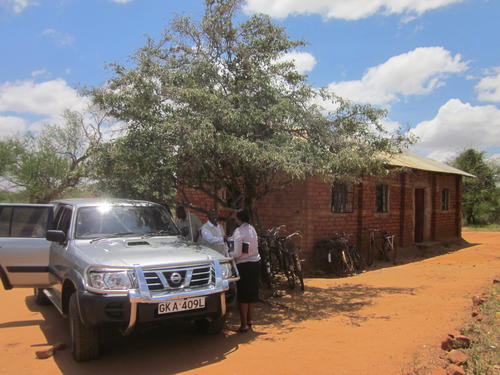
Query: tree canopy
{"type": "Point", "coordinates": [46, 164]}
{"type": "Point", "coordinates": [215, 104]}
{"type": "Point", "coordinates": [481, 197]}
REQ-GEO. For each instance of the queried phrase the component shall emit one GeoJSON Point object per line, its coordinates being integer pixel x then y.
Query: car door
{"type": "Point", "coordinates": [24, 251]}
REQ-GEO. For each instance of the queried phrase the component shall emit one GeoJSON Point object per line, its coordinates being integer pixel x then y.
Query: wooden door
{"type": "Point", "coordinates": [419, 215]}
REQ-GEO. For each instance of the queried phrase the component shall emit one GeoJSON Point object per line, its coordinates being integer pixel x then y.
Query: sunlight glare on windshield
{"type": "Point", "coordinates": [104, 208]}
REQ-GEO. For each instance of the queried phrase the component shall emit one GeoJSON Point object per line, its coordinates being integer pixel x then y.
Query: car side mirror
{"type": "Point", "coordinates": [55, 236]}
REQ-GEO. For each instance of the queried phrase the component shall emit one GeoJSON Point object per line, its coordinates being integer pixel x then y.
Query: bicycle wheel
{"type": "Point", "coordinates": [298, 270]}
{"type": "Point", "coordinates": [288, 266]}
{"type": "Point", "coordinates": [265, 269]}
{"type": "Point", "coordinates": [384, 251]}
{"type": "Point", "coordinates": [371, 252]}
{"type": "Point", "coordinates": [347, 261]}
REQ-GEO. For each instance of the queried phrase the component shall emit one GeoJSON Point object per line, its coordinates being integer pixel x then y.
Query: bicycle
{"type": "Point", "coordinates": [387, 245]}
{"type": "Point", "coordinates": [280, 254]}
{"type": "Point", "coordinates": [341, 255]}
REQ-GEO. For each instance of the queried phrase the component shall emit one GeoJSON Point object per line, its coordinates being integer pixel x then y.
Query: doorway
{"type": "Point", "coordinates": [419, 214]}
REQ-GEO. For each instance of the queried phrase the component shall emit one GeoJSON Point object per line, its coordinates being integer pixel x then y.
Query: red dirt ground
{"type": "Point", "coordinates": [372, 323]}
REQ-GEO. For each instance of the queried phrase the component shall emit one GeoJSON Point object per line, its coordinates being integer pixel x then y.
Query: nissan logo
{"type": "Point", "coordinates": [175, 278]}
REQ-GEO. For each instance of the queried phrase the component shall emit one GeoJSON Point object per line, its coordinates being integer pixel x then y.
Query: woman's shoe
{"type": "Point", "coordinates": [243, 329]}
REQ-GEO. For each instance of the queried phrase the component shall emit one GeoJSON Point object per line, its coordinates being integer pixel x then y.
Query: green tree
{"type": "Point", "coordinates": [46, 164]}
{"type": "Point", "coordinates": [232, 114]}
{"type": "Point", "coordinates": [481, 195]}
{"type": "Point", "coordinates": [123, 168]}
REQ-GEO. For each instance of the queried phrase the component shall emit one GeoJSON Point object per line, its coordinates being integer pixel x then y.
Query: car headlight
{"type": "Point", "coordinates": [227, 270]}
{"type": "Point", "coordinates": [110, 280]}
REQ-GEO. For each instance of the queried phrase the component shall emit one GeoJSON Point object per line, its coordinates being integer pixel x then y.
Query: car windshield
{"type": "Point", "coordinates": [120, 220]}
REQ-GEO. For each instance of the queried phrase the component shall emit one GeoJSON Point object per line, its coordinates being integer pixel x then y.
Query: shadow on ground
{"type": "Point", "coordinates": [410, 254]}
{"type": "Point", "coordinates": [165, 349]}
{"type": "Point", "coordinates": [321, 303]}
{"type": "Point", "coordinates": [178, 347]}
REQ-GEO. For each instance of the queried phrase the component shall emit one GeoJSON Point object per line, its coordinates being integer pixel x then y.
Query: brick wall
{"type": "Point", "coordinates": [305, 206]}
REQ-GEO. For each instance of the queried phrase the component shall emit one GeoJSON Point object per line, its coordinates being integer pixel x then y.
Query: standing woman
{"type": "Point", "coordinates": [246, 255]}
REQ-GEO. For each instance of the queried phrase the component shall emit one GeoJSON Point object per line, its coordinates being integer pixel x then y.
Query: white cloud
{"type": "Point", "coordinates": [444, 155]}
{"type": "Point", "coordinates": [38, 72]}
{"type": "Point", "coordinates": [122, 1]}
{"type": "Point", "coordinates": [61, 39]}
{"type": "Point", "coordinates": [17, 6]}
{"type": "Point", "coordinates": [417, 72]}
{"type": "Point", "coordinates": [344, 9]}
{"type": "Point", "coordinates": [48, 98]}
{"type": "Point", "coordinates": [390, 126]}
{"type": "Point", "coordinates": [304, 61]}
{"type": "Point", "coordinates": [11, 126]}
{"type": "Point", "coordinates": [488, 88]}
{"type": "Point", "coordinates": [457, 126]}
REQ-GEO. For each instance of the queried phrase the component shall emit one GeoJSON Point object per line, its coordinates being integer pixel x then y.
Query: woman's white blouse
{"type": "Point", "coordinates": [245, 233]}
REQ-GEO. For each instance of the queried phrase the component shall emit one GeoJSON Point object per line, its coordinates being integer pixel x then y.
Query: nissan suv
{"type": "Point", "coordinates": [119, 263]}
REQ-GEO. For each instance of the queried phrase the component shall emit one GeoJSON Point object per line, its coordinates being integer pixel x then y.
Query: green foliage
{"type": "Point", "coordinates": [481, 199]}
{"type": "Point", "coordinates": [213, 106]}
{"type": "Point", "coordinates": [122, 169]}
{"type": "Point", "coordinates": [43, 166]}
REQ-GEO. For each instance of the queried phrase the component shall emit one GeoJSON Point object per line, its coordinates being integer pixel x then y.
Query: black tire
{"type": "Point", "coordinates": [298, 271]}
{"type": "Point", "coordinates": [370, 255]}
{"type": "Point", "coordinates": [212, 326]}
{"type": "Point", "coordinates": [84, 340]}
{"type": "Point", "coordinates": [332, 261]}
{"type": "Point", "coordinates": [347, 262]}
{"type": "Point", "coordinates": [40, 298]}
{"type": "Point", "coordinates": [290, 275]}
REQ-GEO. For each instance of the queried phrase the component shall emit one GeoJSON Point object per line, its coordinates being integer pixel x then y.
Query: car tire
{"type": "Point", "coordinates": [211, 326]}
{"type": "Point", "coordinates": [84, 340]}
{"type": "Point", "coordinates": [40, 298]}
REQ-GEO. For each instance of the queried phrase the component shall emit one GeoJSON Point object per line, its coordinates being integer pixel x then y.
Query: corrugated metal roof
{"type": "Point", "coordinates": [413, 160]}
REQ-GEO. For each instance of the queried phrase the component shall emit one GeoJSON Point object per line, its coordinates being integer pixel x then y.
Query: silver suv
{"type": "Point", "coordinates": [114, 263]}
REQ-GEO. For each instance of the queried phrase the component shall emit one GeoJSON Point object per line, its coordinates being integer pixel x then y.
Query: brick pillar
{"type": "Point", "coordinates": [402, 213]}
{"type": "Point", "coordinates": [458, 204]}
{"type": "Point", "coordinates": [360, 224]}
{"type": "Point", "coordinates": [433, 205]}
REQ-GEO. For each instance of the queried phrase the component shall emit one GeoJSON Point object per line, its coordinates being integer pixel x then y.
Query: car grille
{"type": "Point", "coordinates": [178, 278]}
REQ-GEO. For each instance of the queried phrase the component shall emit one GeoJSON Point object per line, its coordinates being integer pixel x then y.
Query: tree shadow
{"type": "Point", "coordinates": [409, 254]}
{"type": "Point", "coordinates": [322, 303]}
{"type": "Point", "coordinates": [163, 349]}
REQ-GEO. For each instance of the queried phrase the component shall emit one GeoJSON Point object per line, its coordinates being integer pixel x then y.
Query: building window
{"type": "Point", "coordinates": [445, 199]}
{"type": "Point", "coordinates": [342, 197]}
{"type": "Point", "coordinates": [382, 198]}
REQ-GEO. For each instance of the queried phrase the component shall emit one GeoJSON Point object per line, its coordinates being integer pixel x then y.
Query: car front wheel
{"type": "Point", "coordinates": [84, 340]}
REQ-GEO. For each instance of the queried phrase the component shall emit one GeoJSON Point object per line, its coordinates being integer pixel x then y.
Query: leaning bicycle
{"type": "Point", "coordinates": [383, 248]}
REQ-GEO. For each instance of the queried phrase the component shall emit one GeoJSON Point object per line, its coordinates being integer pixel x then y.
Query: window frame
{"type": "Point", "coordinates": [347, 204]}
{"type": "Point", "coordinates": [382, 202]}
{"type": "Point", "coordinates": [445, 199]}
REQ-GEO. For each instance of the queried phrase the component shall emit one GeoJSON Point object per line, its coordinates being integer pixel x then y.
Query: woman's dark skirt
{"type": "Point", "coordinates": [248, 285]}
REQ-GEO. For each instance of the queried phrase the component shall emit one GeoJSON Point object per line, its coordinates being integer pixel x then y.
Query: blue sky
{"type": "Point", "coordinates": [434, 64]}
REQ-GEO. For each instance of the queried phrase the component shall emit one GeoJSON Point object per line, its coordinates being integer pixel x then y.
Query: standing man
{"type": "Point", "coordinates": [213, 235]}
{"type": "Point", "coordinates": [189, 224]}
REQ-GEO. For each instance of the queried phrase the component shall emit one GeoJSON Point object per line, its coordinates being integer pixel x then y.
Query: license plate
{"type": "Point", "coordinates": [181, 305]}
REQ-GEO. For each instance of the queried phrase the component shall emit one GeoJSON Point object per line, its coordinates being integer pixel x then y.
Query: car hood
{"type": "Point", "coordinates": [127, 252]}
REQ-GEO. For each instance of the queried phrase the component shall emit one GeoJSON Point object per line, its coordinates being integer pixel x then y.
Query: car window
{"type": "Point", "coordinates": [93, 222]}
{"type": "Point", "coordinates": [5, 216]}
{"type": "Point", "coordinates": [63, 219]}
{"type": "Point", "coordinates": [29, 222]}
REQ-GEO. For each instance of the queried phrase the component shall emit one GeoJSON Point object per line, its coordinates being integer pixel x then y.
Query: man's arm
{"type": "Point", "coordinates": [209, 237]}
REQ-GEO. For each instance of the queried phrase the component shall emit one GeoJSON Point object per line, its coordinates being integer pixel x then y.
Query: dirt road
{"type": "Point", "coordinates": [372, 323]}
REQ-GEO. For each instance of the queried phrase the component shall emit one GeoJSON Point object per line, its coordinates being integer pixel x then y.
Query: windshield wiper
{"type": "Point", "coordinates": [158, 233]}
{"type": "Point", "coordinates": [111, 235]}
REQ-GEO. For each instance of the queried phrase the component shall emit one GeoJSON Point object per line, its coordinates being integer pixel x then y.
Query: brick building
{"type": "Point", "coordinates": [421, 202]}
